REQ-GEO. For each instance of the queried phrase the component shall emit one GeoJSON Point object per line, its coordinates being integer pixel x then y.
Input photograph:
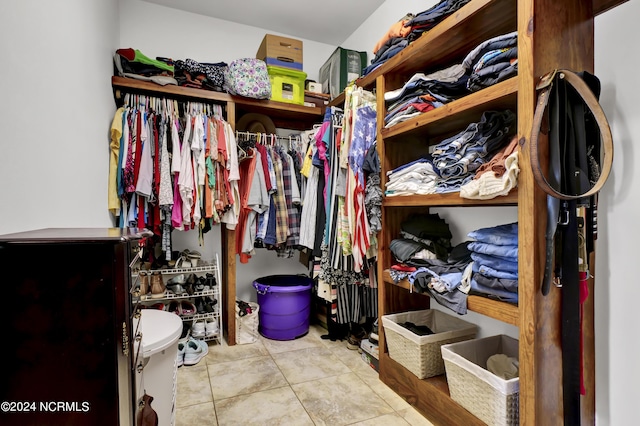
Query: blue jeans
{"type": "Point", "coordinates": [506, 234]}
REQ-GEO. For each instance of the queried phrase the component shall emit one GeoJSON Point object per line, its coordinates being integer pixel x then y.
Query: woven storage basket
{"type": "Point", "coordinates": [488, 397]}
{"type": "Point", "coordinates": [421, 354]}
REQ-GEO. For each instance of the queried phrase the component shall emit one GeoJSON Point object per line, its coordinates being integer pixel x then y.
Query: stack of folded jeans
{"type": "Point", "coordinates": [423, 93]}
{"type": "Point", "coordinates": [419, 24]}
{"type": "Point", "coordinates": [494, 252]}
{"type": "Point", "coordinates": [457, 158]}
{"type": "Point", "coordinates": [492, 61]}
{"type": "Point", "coordinates": [416, 177]}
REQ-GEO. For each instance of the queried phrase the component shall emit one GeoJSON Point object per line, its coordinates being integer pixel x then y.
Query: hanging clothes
{"type": "Point", "coordinates": [162, 170]}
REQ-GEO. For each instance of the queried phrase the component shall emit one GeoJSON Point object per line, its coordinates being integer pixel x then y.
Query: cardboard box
{"type": "Point", "coordinates": [370, 354]}
{"type": "Point", "coordinates": [281, 52]}
{"type": "Point", "coordinates": [369, 359]}
{"type": "Point", "coordinates": [342, 67]}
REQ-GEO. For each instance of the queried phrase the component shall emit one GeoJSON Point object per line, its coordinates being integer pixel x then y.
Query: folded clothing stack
{"type": "Point", "coordinates": [134, 64]}
{"type": "Point", "coordinates": [495, 262]}
{"type": "Point", "coordinates": [210, 76]}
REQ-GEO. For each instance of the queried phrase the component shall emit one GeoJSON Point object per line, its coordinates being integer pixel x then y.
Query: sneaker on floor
{"type": "Point", "coordinates": [180, 357]}
{"type": "Point", "coordinates": [198, 329]}
{"type": "Point", "coordinates": [195, 350]}
{"type": "Point", "coordinates": [211, 327]}
{"type": "Point", "coordinates": [373, 336]}
{"type": "Point", "coordinates": [355, 337]}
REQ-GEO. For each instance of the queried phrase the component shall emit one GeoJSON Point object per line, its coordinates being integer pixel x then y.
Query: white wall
{"type": "Point", "coordinates": [56, 109]}
{"type": "Point", "coordinates": [161, 31]}
{"type": "Point", "coordinates": [617, 344]}
{"type": "Point", "coordinates": [617, 291]}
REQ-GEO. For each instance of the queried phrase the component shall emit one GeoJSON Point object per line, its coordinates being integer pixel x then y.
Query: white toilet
{"type": "Point", "coordinates": [159, 347]}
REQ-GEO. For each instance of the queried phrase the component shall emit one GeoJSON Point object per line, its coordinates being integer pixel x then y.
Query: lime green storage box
{"type": "Point", "coordinates": [287, 85]}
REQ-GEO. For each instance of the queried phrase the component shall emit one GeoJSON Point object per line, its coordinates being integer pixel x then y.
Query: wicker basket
{"type": "Point", "coordinates": [488, 397]}
{"type": "Point", "coordinates": [421, 354]}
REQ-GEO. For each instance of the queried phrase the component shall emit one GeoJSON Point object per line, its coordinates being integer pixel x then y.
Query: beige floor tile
{"type": "Point", "coordinates": [279, 346]}
{"type": "Point", "coordinates": [386, 420]}
{"type": "Point", "coordinates": [340, 400]}
{"type": "Point", "coordinates": [224, 353]}
{"type": "Point", "coordinates": [193, 385]}
{"type": "Point", "coordinates": [200, 414]}
{"type": "Point", "coordinates": [383, 391]}
{"type": "Point", "coordinates": [244, 376]}
{"type": "Point", "coordinates": [308, 364]}
{"type": "Point", "coordinates": [414, 417]}
{"type": "Point", "coordinates": [274, 407]}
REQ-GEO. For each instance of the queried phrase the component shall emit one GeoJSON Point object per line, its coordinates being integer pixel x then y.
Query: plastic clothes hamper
{"type": "Point", "coordinates": [490, 398]}
{"type": "Point", "coordinates": [421, 354]}
{"type": "Point", "coordinates": [285, 306]}
{"type": "Point", "coordinates": [159, 346]}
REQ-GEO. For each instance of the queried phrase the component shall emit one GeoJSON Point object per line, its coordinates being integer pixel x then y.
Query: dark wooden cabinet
{"type": "Point", "coordinates": [67, 327]}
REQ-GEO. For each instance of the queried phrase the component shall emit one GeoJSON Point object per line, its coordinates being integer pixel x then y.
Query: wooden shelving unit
{"type": "Point", "coordinates": [551, 35]}
{"type": "Point", "coordinates": [284, 115]}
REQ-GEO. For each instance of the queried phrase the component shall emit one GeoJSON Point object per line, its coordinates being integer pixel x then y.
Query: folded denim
{"type": "Point", "coordinates": [495, 262]}
{"type": "Point", "coordinates": [509, 251]}
{"type": "Point", "coordinates": [505, 234]}
{"type": "Point", "coordinates": [499, 42]}
{"type": "Point", "coordinates": [493, 273]}
{"type": "Point", "coordinates": [495, 291]}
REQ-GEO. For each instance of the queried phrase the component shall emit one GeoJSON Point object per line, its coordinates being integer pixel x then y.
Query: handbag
{"type": "Point", "coordinates": [248, 77]}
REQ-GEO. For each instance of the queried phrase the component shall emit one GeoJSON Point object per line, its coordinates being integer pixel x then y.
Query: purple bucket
{"type": "Point", "coordinates": [285, 306]}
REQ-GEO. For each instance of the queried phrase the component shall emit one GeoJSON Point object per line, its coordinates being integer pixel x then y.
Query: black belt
{"type": "Point", "coordinates": [570, 109]}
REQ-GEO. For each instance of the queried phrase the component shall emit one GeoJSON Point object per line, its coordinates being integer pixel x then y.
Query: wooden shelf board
{"type": "Point", "coordinates": [148, 87]}
{"type": "Point", "coordinates": [338, 100]}
{"type": "Point", "coordinates": [452, 199]}
{"type": "Point", "coordinates": [278, 111]}
{"type": "Point", "coordinates": [456, 115]}
{"type": "Point", "coordinates": [501, 311]}
{"type": "Point", "coordinates": [472, 24]}
{"type": "Point", "coordinates": [429, 396]}
{"type": "Point", "coordinates": [601, 6]}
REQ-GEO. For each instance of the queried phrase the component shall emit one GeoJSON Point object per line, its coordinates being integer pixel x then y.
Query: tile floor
{"type": "Point", "coordinates": [307, 381]}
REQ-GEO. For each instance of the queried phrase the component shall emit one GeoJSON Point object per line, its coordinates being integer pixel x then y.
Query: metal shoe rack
{"type": "Point", "coordinates": [215, 292]}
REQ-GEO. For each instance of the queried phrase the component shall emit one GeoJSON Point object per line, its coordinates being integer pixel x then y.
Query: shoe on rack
{"type": "Point", "coordinates": [177, 289]}
{"type": "Point", "coordinates": [174, 307]}
{"type": "Point", "coordinates": [195, 351]}
{"type": "Point", "coordinates": [194, 258]}
{"type": "Point", "coordinates": [178, 279]}
{"type": "Point", "coordinates": [181, 351]}
{"type": "Point", "coordinates": [200, 284]}
{"type": "Point", "coordinates": [355, 337]}
{"type": "Point", "coordinates": [211, 327]}
{"type": "Point", "coordinates": [198, 329]}
{"type": "Point", "coordinates": [158, 289]}
{"type": "Point", "coordinates": [192, 280]}
{"type": "Point", "coordinates": [187, 308]}
{"type": "Point", "coordinates": [210, 280]}
{"type": "Point", "coordinates": [144, 284]}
